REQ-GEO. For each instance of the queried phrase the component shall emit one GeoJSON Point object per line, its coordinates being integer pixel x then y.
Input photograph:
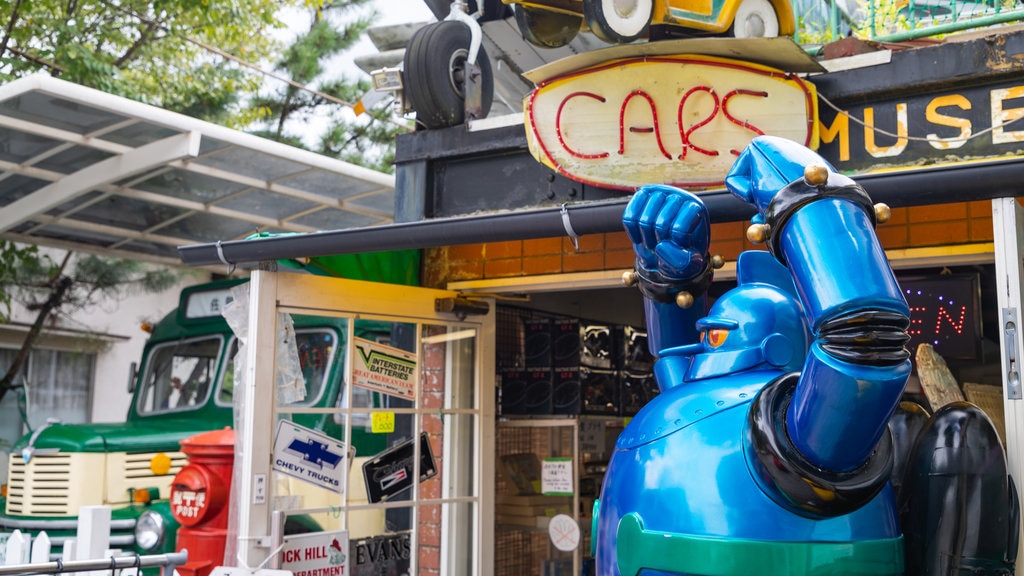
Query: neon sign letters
{"type": "Point", "coordinates": [944, 312]}
{"type": "Point", "coordinates": [668, 119]}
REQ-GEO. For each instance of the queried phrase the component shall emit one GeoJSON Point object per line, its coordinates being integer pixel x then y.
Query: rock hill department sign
{"type": "Point", "coordinates": [678, 120]}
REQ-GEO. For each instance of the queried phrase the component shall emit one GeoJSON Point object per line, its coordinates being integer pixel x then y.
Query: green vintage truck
{"type": "Point", "coordinates": [183, 386]}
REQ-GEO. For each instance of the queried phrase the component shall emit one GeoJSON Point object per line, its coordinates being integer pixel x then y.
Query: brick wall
{"type": "Point", "coordinates": [917, 227]}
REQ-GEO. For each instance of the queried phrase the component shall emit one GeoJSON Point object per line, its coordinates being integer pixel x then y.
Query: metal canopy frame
{"type": "Point", "coordinates": [85, 170]}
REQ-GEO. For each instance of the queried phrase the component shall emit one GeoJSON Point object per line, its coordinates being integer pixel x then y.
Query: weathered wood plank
{"type": "Point", "coordinates": [937, 382]}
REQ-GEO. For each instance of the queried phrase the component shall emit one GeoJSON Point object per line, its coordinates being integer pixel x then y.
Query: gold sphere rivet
{"type": "Point", "coordinates": [684, 300]}
{"type": "Point", "coordinates": [628, 278]}
{"type": "Point", "coordinates": [757, 233]}
{"type": "Point", "coordinates": [717, 261]}
{"type": "Point", "coordinates": [816, 174]}
{"type": "Point", "coordinates": [882, 213]}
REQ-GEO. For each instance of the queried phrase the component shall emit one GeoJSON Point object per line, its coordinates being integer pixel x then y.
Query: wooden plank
{"type": "Point", "coordinates": [937, 382]}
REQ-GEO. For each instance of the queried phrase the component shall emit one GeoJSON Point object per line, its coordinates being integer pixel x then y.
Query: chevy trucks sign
{"type": "Point", "coordinates": [670, 119]}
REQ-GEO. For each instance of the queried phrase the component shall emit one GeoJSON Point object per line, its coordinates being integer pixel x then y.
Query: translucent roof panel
{"type": "Point", "coordinates": [84, 170]}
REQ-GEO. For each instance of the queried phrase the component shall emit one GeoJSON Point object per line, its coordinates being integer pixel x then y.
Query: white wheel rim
{"type": "Point", "coordinates": [627, 17]}
{"type": "Point", "coordinates": [756, 19]}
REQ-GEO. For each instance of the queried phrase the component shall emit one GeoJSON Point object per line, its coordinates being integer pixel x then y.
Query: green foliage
{"type": "Point", "coordinates": [291, 115]}
{"type": "Point", "coordinates": [883, 17]}
{"type": "Point", "coordinates": [147, 50]}
{"type": "Point", "coordinates": [19, 265]}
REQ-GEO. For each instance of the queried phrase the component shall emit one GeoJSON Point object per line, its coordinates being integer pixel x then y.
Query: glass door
{"type": "Point", "coordinates": [1008, 233]}
{"type": "Point", "coordinates": [367, 441]}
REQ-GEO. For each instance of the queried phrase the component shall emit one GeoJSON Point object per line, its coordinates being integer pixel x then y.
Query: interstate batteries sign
{"type": "Point", "coordinates": [384, 369]}
{"type": "Point", "coordinates": [679, 120]}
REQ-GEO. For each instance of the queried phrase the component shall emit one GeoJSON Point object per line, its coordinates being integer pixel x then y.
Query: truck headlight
{"type": "Point", "coordinates": [149, 530]}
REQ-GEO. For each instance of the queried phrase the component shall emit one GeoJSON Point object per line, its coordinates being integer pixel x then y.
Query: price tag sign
{"type": "Point", "coordinates": [382, 422]}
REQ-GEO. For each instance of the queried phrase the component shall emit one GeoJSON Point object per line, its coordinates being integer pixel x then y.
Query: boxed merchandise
{"type": "Point", "coordinates": [566, 391]}
{"type": "Point", "coordinates": [638, 388]}
{"type": "Point", "coordinates": [512, 392]}
{"type": "Point", "coordinates": [565, 334]}
{"type": "Point", "coordinates": [537, 342]}
{"type": "Point", "coordinates": [599, 391]}
{"type": "Point", "coordinates": [636, 354]}
{"type": "Point", "coordinates": [538, 392]}
{"type": "Point", "coordinates": [598, 348]}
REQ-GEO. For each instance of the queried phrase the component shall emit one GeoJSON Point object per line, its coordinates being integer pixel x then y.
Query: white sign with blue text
{"type": "Point", "coordinates": [310, 456]}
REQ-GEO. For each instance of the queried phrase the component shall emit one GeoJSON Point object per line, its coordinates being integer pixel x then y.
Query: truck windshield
{"type": "Point", "coordinates": [316, 349]}
{"type": "Point", "coordinates": [179, 374]}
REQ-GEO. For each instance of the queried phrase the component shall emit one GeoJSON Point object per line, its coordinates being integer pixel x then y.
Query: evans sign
{"type": "Point", "coordinates": [668, 119]}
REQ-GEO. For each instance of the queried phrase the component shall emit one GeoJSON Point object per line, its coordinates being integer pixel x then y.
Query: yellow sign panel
{"type": "Point", "coordinates": [382, 422]}
{"type": "Point", "coordinates": [678, 120]}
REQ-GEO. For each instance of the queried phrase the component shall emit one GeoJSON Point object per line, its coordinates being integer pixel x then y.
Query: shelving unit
{"type": "Point", "coordinates": [524, 547]}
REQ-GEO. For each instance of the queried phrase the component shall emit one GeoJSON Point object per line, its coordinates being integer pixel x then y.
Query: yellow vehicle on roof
{"type": "Point", "coordinates": [554, 23]}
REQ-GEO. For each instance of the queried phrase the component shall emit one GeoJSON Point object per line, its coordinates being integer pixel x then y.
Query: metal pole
{"type": "Point", "coordinates": [113, 563]}
{"type": "Point", "coordinates": [1001, 18]}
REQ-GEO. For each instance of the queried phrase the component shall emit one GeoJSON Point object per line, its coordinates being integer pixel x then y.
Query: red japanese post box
{"type": "Point", "coordinates": [199, 499]}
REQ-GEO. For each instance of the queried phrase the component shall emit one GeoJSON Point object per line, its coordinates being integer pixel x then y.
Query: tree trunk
{"type": "Point", "coordinates": [59, 286]}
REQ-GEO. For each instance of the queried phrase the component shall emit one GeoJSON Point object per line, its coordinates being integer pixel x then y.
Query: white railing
{"type": "Point", "coordinates": [88, 552]}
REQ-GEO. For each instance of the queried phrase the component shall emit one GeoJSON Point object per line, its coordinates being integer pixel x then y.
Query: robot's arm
{"type": "Point", "coordinates": [670, 231]}
{"type": "Point", "coordinates": [828, 426]}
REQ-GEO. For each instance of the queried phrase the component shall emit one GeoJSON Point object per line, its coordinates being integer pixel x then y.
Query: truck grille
{"type": "Point", "coordinates": [136, 466]}
{"type": "Point", "coordinates": [41, 486]}
{"type": "Point", "coordinates": [59, 484]}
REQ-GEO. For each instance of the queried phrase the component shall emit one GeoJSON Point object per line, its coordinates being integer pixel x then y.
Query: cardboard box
{"type": "Point", "coordinates": [537, 342]}
{"type": "Point", "coordinates": [565, 396]}
{"type": "Point", "coordinates": [512, 392]}
{"type": "Point", "coordinates": [538, 392]}
{"type": "Point", "coordinates": [565, 335]}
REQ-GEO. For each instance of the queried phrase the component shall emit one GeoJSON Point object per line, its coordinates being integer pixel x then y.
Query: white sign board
{"type": "Point", "coordinates": [316, 554]}
{"type": "Point", "coordinates": [310, 456]}
{"type": "Point", "coordinates": [556, 477]}
{"type": "Point", "coordinates": [384, 369]}
{"type": "Point", "coordinates": [207, 304]}
{"type": "Point", "coordinates": [592, 437]}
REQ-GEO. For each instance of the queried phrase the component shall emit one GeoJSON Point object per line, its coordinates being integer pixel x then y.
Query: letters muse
{"type": "Point", "coordinates": [945, 121]}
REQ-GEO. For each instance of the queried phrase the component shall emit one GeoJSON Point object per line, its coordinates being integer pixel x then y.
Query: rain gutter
{"type": "Point", "coordinates": [936, 185]}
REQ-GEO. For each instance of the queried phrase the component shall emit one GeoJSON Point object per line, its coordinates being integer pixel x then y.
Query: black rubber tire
{"type": "Point", "coordinates": [546, 29]}
{"type": "Point", "coordinates": [614, 28]}
{"type": "Point", "coordinates": [434, 68]}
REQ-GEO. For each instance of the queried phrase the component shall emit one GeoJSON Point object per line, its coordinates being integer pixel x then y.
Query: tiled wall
{"type": "Point", "coordinates": [917, 227]}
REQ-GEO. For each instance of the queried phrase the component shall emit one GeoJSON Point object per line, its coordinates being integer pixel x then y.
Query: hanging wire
{"type": "Point", "coordinates": [884, 132]}
{"type": "Point", "coordinates": [241, 62]}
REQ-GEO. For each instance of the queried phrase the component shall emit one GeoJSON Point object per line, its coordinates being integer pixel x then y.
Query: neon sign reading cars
{"type": "Point", "coordinates": [669, 119]}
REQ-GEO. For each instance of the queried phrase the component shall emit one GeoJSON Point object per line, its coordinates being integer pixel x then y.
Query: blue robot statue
{"type": "Point", "coordinates": [769, 450]}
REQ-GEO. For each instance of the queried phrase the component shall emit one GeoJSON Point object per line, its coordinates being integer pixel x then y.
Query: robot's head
{"type": "Point", "coordinates": [757, 324]}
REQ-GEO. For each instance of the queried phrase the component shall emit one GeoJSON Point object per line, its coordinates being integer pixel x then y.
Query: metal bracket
{"type": "Point", "coordinates": [1010, 345]}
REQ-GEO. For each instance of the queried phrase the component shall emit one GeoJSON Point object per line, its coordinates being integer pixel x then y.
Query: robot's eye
{"type": "Point", "coordinates": [715, 337]}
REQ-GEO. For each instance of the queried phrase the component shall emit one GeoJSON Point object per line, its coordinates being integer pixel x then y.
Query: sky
{"type": "Point", "coordinates": [392, 12]}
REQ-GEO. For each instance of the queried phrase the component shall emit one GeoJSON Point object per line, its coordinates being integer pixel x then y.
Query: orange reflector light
{"type": "Point", "coordinates": [3, 491]}
{"type": "Point", "coordinates": [141, 496]}
{"type": "Point", "coordinates": [160, 464]}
